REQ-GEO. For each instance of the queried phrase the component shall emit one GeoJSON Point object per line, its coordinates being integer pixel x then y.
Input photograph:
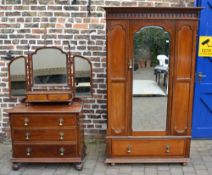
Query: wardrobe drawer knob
{"type": "Point", "coordinates": [129, 148]}
{"type": "Point", "coordinates": [167, 148]}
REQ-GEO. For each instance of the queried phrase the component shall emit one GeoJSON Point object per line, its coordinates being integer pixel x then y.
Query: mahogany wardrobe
{"type": "Point", "coordinates": [150, 82]}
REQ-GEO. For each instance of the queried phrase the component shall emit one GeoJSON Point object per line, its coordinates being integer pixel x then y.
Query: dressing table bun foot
{"type": "Point", "coordinates": [78, 166]}
{"type": "Point", "coordinates": [15, 166]}
{"type": "Point", "coordinates": [184, 164]}
{"type": "Point", "coordinates": [112, 164]}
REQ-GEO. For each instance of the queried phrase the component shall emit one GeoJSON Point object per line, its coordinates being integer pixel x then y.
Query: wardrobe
{"type": "Point", "coordinates": [150, 99]}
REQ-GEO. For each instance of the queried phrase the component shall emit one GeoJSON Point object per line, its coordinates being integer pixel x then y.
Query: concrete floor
{"type": "Point", "coordinates": [149, 113]}
{"type": "Point", "coordinates": [201, 163]}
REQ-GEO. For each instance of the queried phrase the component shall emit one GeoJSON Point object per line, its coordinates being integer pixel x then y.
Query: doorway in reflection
{"type": "Point", "coordinates": [150, 79]}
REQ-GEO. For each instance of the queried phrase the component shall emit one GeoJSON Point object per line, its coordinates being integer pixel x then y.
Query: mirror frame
{"type": "Point", "coordinates": [9, 75]}
{"type": "Point", "coordinates": [91, 77]}
{"type": "Point", "coordinates": [166, 34]}
{"type": "Point", "coordinates": [170, 29]}
{"type": "Point", "coordinates": [68, 69]}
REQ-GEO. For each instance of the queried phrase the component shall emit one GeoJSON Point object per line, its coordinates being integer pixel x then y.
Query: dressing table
{"type": "Point", "coordinates": [47, 126]}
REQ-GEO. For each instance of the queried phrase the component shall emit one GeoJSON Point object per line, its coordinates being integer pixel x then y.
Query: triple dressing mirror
{"type": "Point", "coordinates": [150, 79]}
{"type": "Point", "coordinates": [50, 69]}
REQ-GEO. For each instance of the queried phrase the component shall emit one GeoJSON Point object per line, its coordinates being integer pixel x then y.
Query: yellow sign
{"type": "Point", "coordinates": [205, 46]}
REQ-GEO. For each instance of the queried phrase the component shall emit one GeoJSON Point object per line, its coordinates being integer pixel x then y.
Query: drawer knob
{"type": "Point", "coordinates": [26, 121]}
{"type": "Point", "coordinates": [61, 120]}
{"type": "Point", "coordinates": [27, 135]}
{"type": "Point", "coordinates": [62, 150]}
{"type": "Point", "coordinates": [129, 148]}
{"type": "Point", "coordinates": [167, 148]}
{"type": "Point", "coordinates": [61, 136]}
{"type": "Point", "coordinates": [28, 151]}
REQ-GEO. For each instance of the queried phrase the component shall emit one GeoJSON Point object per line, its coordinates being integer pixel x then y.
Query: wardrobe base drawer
{"type": "Point", "coordinates": [149, 148]}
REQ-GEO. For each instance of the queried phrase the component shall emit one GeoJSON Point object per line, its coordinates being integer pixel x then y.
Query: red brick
{"type": "Point", "coordinates": [80, 26]}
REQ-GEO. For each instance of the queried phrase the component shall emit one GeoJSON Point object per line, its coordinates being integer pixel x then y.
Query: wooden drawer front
{"type": "Point", "coordinates": [41, 151]}
{"type": "Point", "coordinates": [58, 97]}
{"type": "Point", "coordinates": [48, 97]}
{"type": "Point", "coordinates": [44, 135]}
{"type": "Point", "coordinates": [37, 97]}
{"type": "Point", "coordinates": [144, 148]}
{"type": "Point", "coordinates": [43, 120]}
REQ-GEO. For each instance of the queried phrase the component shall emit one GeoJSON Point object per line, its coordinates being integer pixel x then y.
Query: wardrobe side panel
{"type": "Point", "coordinates": [183, 77]}
{"type": "Point", "coordinates": [117, 38]}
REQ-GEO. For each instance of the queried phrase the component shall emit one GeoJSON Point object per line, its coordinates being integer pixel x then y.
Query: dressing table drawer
{"type": "Point", "coordinates": [149, 148]}
{"type": "Point", "coordinates": [44, 151]}
{"type": "Point", "coordinates": [51, 96]}
{"type": "Point", "coordinates": [37, 97]}
{"type": "Point", "coordinates": [59, 97]}
{"type": "Point", "coordinates": [44, 135]}
{"type": "Point", "coordinates": [36, 120]}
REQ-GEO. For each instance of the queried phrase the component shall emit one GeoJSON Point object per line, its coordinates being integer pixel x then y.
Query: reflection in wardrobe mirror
{"type": "Point", "coordinates": [150, 79]}
{"type": "Point", "coordinates": [82, 67]}
{"type": "Point", "coordinates": [17, 77]}
{"type": "Point", "coordinates": [49, 67]}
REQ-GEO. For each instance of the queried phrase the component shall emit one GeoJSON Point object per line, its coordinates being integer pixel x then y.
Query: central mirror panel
{"type": "Point", "coordinates": [150, 79]}
{"type": "Point", "coordinates": [49, 67]}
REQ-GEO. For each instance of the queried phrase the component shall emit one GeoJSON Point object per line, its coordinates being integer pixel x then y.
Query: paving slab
{"type": "Point", "coordinates": [201, 163]}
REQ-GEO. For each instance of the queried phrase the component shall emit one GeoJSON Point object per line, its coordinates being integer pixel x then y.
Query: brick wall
{"type": "Point", "coordinates": [24, 21]}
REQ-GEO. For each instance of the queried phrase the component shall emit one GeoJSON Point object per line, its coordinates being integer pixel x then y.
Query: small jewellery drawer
{"type": "Point", "coordinates": [42, 120]}
{"type": "Point", "coordinates": [160, 148]}
{"type": "Point", "coordinates": [44, 151]}
{"type": "Point", "coordinates": [59, 97]}
{"type": "Point", "coordinates": [37, 97]}
{"type": "Point", "coordinates": [44, 135]}
{"type": "Point", "coordinates": [51, 96]}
